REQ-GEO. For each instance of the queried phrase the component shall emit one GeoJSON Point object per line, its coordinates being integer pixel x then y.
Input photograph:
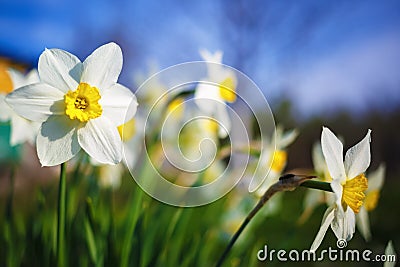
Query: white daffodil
{"type": "Point", "coordinates": [348, 185]}
{"type": "Point", "coordinates": [217, 89]}
{"type": "Point", "coordinates": [274, 155]}
{"type": "Point", "coordinates": [375, 183]}
{"type": "Point", "coordinates": [22, 130]}
{"type": "Point", "coordinates": [79, 104]}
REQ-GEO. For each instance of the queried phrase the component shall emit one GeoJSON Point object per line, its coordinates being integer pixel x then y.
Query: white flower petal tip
{"type": "Point", "coordinates": [326, 222]}
{"type": "Point", "coordinates": [358, 157]}
{"type": "Point", "coordinates": [332, 149]}
{"type": "Point", "coordinates": [59, 69]}
{"type": "Point", "coordinates": [390, 252]}
{"type": "Point", "coordinates": [211, 57]}
{"type": "Point", "coordinates": [103, 66]}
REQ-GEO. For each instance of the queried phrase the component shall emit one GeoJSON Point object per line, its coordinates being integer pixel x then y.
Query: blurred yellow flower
{"type": "Point", "coordinates": [275, 156]}
{"type": "Point", "coordinates": [375, 183]}
{"type": "Point", "coordinates": [22, 130]}
{"type": "Point", "coordinates": [218, 88]}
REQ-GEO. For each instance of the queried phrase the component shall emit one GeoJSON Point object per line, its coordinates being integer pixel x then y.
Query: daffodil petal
{"type": "Point", "coordinates": [318, 158]}
{"type": "Point", "coordinates": [337, 189]}
{"type": "Point", "coordinates": [389, 250]}
{"type": "Point", "coordinates": [287, 138]}
{"type": "Point", "coordinates": [208, 56]}
{"type": "Point", "coordinates": [57, 141]}
{"type": "Point", "coordinates": [5, 110]}
{"type": "Point", "coordinates": [332, 149]}
{"type": "Point", "coordinates": [100, 139]}
{"type": "Point", "coordinates": [271, 178]}
{"type": "Point", "coordinates": [350, 224]}
{"type": "Point", "coordinates": [223, 120]}
{"type": "Point", "coordinates": [18, 79]}
{"type": "Point", "coordinates": [376, 178]}
{"type": "Point", "coordinates": [32, 77]}
{"type": "Point", "coordinates": [358, 157]}
{"type": "Point", "coordinates": [206, 96]}
{"type": "Point", "coordinates": [22, 130]}
{"type": "Point", "coordinates": [214, 60]}
{"type": "Point", "coordinates": [102, 68]}
{"type": "Point", "coordinates": [326, 221]}
{"type": "Point", "coordinates": [110, 175]}
{"type": "Point", "coordinates": [344, 225]}
{"type": "Point", "coordinates": [362, 220]}
{"type": "Point", "coordinates": [131, 151]}
{"type": "Point", "coordinates": [119, 104]}
{"type": "Point", "coordinates": [36, 102]}
{"type": "Point", "coordinates": [60, 69]}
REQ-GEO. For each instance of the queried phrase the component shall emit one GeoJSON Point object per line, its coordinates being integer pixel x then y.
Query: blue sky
{"type": "Point", "coordinates": [323, 55]}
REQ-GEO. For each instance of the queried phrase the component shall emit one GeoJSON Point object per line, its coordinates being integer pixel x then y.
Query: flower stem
{"type": "Point", "coordinates": [288, 182]}
{"type": "Point", "coordinates": [317, 185]}
{"type": "Point", "coordinates": [61, 217]}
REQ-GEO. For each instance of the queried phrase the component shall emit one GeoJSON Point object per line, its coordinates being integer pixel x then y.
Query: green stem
{"type": "Point", "coordinates": [288, 182]}
{"type": "Point", "coordinates": [9, 209]}
{"type": "Point", "coordinates": [61, 217]}
{"type": "Point", "coordinates": [317, 185]}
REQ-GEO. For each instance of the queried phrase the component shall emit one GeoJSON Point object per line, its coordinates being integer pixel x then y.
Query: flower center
{"type": "Point", "coordinates": [371, 200]}
{"type": "Point", "coordinates": [83, 103]}
{"type": "Point", "coordinates": [127, 130]}
{"type": "Point", "coordinates": [227, 90]}
{"type": "Point", "coordinates": [279, 160]}
{"type": "Point", "coordinates": [353, 192]}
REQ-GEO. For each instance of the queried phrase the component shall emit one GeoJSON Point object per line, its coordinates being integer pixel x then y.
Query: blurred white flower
{"type": "Point", "coordinates": [275, 156]}
{"type": "Point", "coordinates": [173, 118]}
{"type": "Point", "coordinates": [348, 185]}
{"type": "Point", "coordinates": [110, 176]}
{"type": "Point", "coordinates": [390, 252]}
{"type": "Point", "coordinates": [217, 89]}
{"type": "Point", "coordinates": [190, 140]}
{"type": "Point", "coordinates": [79, 104]}
{"type": "Point", "coordinates": [22, 130]}
{"type": "Point", "coordinates": [132, 134]}
{"type": "Point", "coordinates": [154, 88]}
{"type": "Point", "coordinates": [375, 183]}
{"type": "Point", "coordinates": [316, 197]}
